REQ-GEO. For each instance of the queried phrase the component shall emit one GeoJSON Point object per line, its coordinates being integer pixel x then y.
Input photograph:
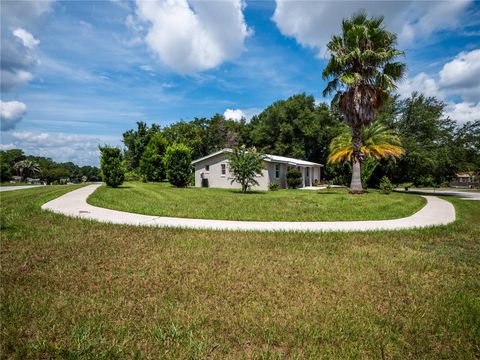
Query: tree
{"type": "Point", "coordinates": [245, 164]}
{"type": "Point", "coordinates": [361, 71]}
{"type": "Point", "coordinates": [111, 166]}
{"type": "Point", "coordinates": [136, 141]}
{"type": "Point", "coordinates": [466, 146]}
{"type": "Point", "coordinates": [378, 142]}
{"type": "Point", "coordinates": [177, 161]}
{"type": "Point", "coordinates": [428, 137]}
{"type": "Point", "coordinates": [151, 163]}
{"type": "Point", "coordinates": [7, 159]}
{"type": "Point", "coordinates": [295, 127]}
{"type": "Point", "coordinates": [26, 168]}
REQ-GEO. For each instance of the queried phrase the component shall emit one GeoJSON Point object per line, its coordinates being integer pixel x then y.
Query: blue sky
{"type": "Point", "coordinates": [79, 73]}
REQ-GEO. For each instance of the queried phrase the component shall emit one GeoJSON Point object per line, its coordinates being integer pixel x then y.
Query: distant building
{"type": "Point", "coordinates": [16, 178]}
{"type": "Point", "coordinates": [468, 179]}
{"type": "Point", "coordinates": [32, 181]}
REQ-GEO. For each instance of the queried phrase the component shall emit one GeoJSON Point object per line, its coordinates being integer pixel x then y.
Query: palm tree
{"type": "Point", "coordinates": [361, 71]}
{"type": "Point", "coordinates": [378, 142]}
{"type": "Point", "coordinates": [26, 168]}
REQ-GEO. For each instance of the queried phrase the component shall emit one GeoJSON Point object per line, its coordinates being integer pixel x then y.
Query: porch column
{"type": "Point", "coordinates": [310, 175]}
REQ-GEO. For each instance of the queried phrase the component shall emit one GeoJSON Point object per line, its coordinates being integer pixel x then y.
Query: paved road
{"type": "Point", "coordinates": [465, 195]}
{"type": "Point", "coordinates": [19, 187]}
{"type": "Point", "coordinates": [436, 212]}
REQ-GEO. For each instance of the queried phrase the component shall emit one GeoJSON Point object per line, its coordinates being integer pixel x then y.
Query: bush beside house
{"type": "Point", "coordinates": [177, 162]}
{"type": "Point", "coordinates": [294, 178]}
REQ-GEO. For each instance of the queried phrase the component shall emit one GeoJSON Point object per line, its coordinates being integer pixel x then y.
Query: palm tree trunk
{"type": "Point", "coordinates": [356, 184]}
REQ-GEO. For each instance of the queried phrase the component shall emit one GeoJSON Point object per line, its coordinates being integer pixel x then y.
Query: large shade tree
{"type": "Point", "coordinates": [361, 71]}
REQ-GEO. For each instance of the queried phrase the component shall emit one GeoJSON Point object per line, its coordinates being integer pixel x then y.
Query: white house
{"type": "Point", "coordinates": [213, 171]}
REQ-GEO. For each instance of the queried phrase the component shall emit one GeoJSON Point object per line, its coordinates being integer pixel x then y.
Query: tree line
{"type": "Point", "coordinates": [15, 162]}
{"type": "Point", "coordinates": [434, 147]}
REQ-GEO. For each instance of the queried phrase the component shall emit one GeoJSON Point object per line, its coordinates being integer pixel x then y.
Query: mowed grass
{"type": "Point", "coordinates": [162, 199]}
{"type": "Point", "coordinates": [76, 289]}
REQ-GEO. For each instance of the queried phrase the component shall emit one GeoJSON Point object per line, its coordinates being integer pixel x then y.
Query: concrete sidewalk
{"type": "Point", "coordinates": [435, 212]}
{"type": "Point", "coordinates": [465, 195]}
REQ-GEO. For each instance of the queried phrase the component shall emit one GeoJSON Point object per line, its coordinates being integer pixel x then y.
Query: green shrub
{"type": "Point", "coordinates": [273, 186]}
{"type": "Point", "coordinates": [151, 162]}
{"type": "Point", "coordinates": [177, 161]}
{"type": "Point", "coordinates": [294, 178]}
{"type": "Point", "coordinates": [111, 166]}
{"type": "Point", "coordinates": [386, 185]}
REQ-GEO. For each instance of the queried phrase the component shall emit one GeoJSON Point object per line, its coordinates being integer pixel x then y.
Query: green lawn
{"type": "Point", "coordinates": [13, 184]}
{"type": "Point", "coordinates": [283, 205]}
{"type": "Point", "coordinates": [77, 289]}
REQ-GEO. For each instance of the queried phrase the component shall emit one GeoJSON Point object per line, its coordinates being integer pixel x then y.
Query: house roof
{"type": "Point", "coordinates": [290, 161]}
{"type": "Point", "coordinates": [266, 157]}
{"type": "Point", "coordinates": [212, 155]}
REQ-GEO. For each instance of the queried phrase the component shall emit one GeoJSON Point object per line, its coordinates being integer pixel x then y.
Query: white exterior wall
{"type": "Point", "coordinates": [317, 174]}
{"type": "Point", "coordinates": [282, 180]}
{"type": "Point", "coordinates": [217, 180]}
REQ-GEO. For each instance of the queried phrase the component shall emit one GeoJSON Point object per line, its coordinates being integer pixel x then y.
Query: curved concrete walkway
{"type": "Point", "coordinates": [464, 195]}
{"type": "Point", "coordinates": [435, 212]}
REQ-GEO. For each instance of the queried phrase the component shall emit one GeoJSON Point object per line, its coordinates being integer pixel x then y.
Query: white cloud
{"type": "Point", "coordinates": [19, 55]}
{"type": "Point", "coordinates": [11, 113]}
{"type": "Point", "coordinates": [25, 14]}
{"type": "Point", "coordinates": [463, 112]}
{"type": "Point", "coordinates": [80, 149]}
{"type": "Point", "coordinates": [196, 35]}
{"type": "Point", "coordinates": [312, 23]}
{"type": "Point", "coordinates": [462, 75]}
{"type": "Point", "coordinates": [236, 115]}
{"type": "Point", "coordinates": [13, 78]}
{"type": "Point", "coordinates": [458, 78]}
{"type": "Point", "coordinates": [421, 83]}
{"type": "Point", "coordinates": [27, 39]}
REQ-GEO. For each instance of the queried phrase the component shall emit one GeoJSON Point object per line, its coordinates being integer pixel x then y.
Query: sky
{"type": "Point", "coordinates": [75, 74]}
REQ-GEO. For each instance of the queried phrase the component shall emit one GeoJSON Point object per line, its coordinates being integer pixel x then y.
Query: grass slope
{"type": "Point", "coordinates": [77, 289]}
{"type": "Point", "coordinates": [284, 205]}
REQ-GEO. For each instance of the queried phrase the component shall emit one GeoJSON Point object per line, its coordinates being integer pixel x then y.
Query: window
{"type": "Point", "coordinates": [277, 171]}
{"type": "Point", "coordinates": [207, 167]}
{"type": "Point", "coordinates": [308, 171]}
{"type": "Point", "coordinates": [224, 169]}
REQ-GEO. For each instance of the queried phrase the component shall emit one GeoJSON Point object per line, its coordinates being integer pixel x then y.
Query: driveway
{"type": "Point", "coordinates": [19, 187]}
{"type": "Point", "coordinates": [436, 212]}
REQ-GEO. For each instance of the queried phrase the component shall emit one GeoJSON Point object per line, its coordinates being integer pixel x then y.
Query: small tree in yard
{"type": "Point", "coordinates": [111, 166]}
{"type": "Point", "coordinates": [386, 186]}
{"type": "Point", "coordinates": [294, 178]}
{"type": "Point", "coordinates": [245, 165]}
{"type": "Point", "coordinates": [177, 161]}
